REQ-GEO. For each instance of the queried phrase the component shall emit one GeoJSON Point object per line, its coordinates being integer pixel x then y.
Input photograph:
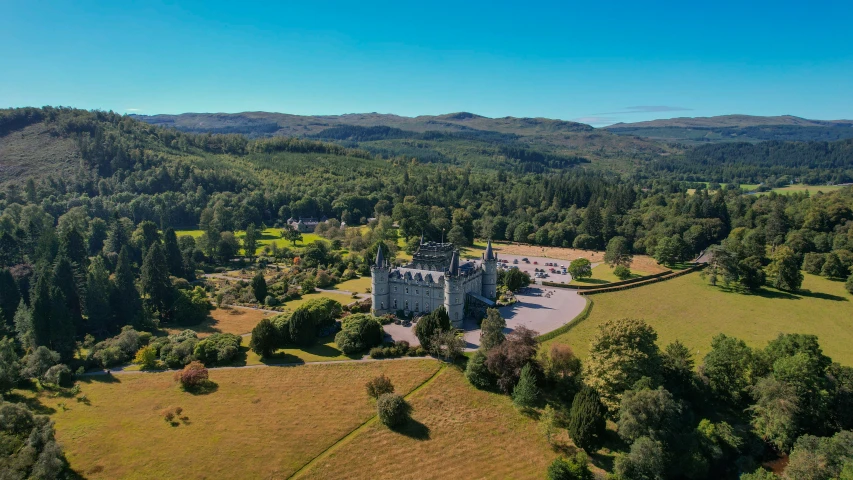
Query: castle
{"type": "Point", "coordinates": [434, 277]}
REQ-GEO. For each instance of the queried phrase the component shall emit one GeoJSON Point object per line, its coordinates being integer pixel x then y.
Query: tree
{"type": "Point", "coordinates": [155, 283]}
{"type": "Point", "coordinates": [392, 409]}
{"type": "Point", "coordinates": [622, 272]}
{"type": "Point", "coordinates": [580, 268]}
{"type": "Point", "coordinates": [259, 286]}
{"type": "Point", "coordinates": [587, 423]}
{"type": "Point", "coordinates": [291, 234]}
{"type": "Point", "coordinates": [477, 373]}
{"type": "Point", "coordinates": [446, 345]}
{"type": "Point", "coordinates": [125, 299]}
{"type": "Point", "coordinates": [37, 363]}
{"type": "Point", "coordinates": [832, 267]}
{"type": "Point", "coordinates": [264, 339]}
{"type": "Point", "coordinates": [548, 423]}
{"type": "Point", "coordinates": [649, 413]}
{"type": "Point", "coordinates": [146, 357]}
{"type": "Point", "coordinates": [645, 461]}
{"type": "Point", "coordinates": [621, 353]}
{"type": "Point", "coordinates": [571, 468]}
{"type": "Point", "coordinates": [378, 386]}
{"type": "Point", "coordinates": [821, 457]}
{"type": "Point", "coordinates": [492, 329]}
{"type": "Point", "coordinates": [670, 250]}
{"type": "Point", "coordinates": [38, 455]}
{"type": "Point", "coordinates": [848, 285]}
{"type": "Point", "coordinates": [98, 291]}
{"type": "Point", "coordinates": [10, 365]}
{"type": "Point", "coordinates": [250, 241]}
{"type": "Point", "coordinates": [303, 329]}
{"type": "Point", "coordinates": [784, 269]}
{"type": "Point", "coordinates": [813, 262]}
{"type": "Point", "coordinates": [359, 332]}
{"type": "Point", "coordinates": [10, 296]}
{"type": "Point", "coordinates": [677, 368]}
{"type": "Point", "coordinates": [526, 393]}
{"type": "Point", "coordinates": [174, 257]}
{"type": "Point", "coordinates": [506, 360]}
{"type": "Point", "coordinates": [774, 413]}
{"type": "Point", "coordinates": [431, 323]}
{"type": "Point", "coordinates": [751, 273]}
{"type": "Point", "coordinates": [65, 278]}
{"type": "Point", "coordinates": [307, 286]}
{"type": "Point", "coordinates": [513, 279]}
{"type": "Point", "coordinates": [618, 253]}
{"type": "Point", "coordinates": [727, 367]}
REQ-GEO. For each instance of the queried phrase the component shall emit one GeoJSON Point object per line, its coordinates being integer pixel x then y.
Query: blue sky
{"type": "Point", "coordinates": [597, 62]}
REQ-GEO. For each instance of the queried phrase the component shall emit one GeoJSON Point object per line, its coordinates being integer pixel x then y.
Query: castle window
{"type": "Point", "coordinates": [416, 307]}
{"type": "Point", "coordinates": [416, 291]}
{"type": "Point", "coordinates": [407, 290]}
{"type": "Point", "coordinates": [407, 304]}
{"type": "Point", "coordinates": [395, 304]}
{"type": "Point", "coordinates": [381, 305]}
{"type": "Point", "coordinates": [395, 289]}
{"type": "Point", "coordinates": [427, 293]}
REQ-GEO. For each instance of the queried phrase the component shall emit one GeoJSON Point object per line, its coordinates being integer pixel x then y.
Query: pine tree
{"type": "Point", "coordinates": [155, 282]}
{"type": "Point", "coordinates": [492, 330]}
{"type": "Point", "coordinates": [586, 419]}
{"type": "Point", "coordinates": [61, 328]}
{"type": "Point", "coordinates": [66, 280]}
{"type": "Point", "coordinates": [126, 303]}
{"type": "Point", "coordinates": [526, 393]}
{"type": "Point", "coordinates": [10, 296]}
{"type": "Point", "coordinates": [173, 253]}
{"type": "Point", "coordinates": [98, 290]}
{"type": "Point", "coordinates": [24, 325]}
{"type": "Point", "coordinates": [73, 247]}
{"type": "Point", "coordinates": [117, 238]}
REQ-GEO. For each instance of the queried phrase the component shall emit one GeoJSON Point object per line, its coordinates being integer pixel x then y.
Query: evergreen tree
{"type": "Point", "coordinates": [259, 286]}
{"type": "Point", "coordinates": [264, 339]}
{"type": "Point", "coordinates": [126, 302]}
{"type": "Point", "coordinates": [66, 280]}
{"type": "Point", "coordinates": [155, 282]}
{"type": "Point", "coordinates": [173, 253]}
{"type": "Point", "coordinates": [477, 373]}
{"type": "Point", "coordinates": [586, 419]}
{"type": "Point", "coordinates": [784, 269]}
{"type": "Point", "coordinates": [250, 241]}
{"type": "Point", "coordinates": [526, 393]}
{"type": "Point", "coordinates": [74, 248]}
{"type": "Point", "coordinates": [61, 329]}
{"type": "Point", "coordinates": [431, 323]}
{"type": "Point", "coordinates": [593, 225]}
{"type": "Point", "coordinates": [10, 296]}
{"type": "Point", "coordinates": [117, 238]}
{"type": "Point", "coordinates": [98, 291]}
{"type": "Point", "coordinates": [24, 326]}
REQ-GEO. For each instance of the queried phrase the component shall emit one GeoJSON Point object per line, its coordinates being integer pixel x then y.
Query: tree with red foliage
{"type": "Point", "coordinates": [193, 375]}
{"type": "Point", "coordinates": [506, 360]}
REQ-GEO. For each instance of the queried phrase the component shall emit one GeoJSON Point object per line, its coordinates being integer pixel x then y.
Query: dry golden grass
{"type": "Point", "coordinates": [642, 263]}
{"type": "Point", "coordinates": [259, 423]}
{"type": "Point", "coordinates": [458, 432]}
{"type": "Point", "coordinates": [226, 320]}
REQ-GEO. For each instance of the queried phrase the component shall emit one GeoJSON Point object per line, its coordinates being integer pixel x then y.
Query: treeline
{"type": "Point", "coordinates": [806, 162]}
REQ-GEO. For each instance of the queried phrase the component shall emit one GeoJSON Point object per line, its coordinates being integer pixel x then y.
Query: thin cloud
{"type": "Point", "coordinates": [647, 109]}
{"type": "Point", "coordinates": [132, 109]}
{"type": "Point", "coordinates": [595, 120]}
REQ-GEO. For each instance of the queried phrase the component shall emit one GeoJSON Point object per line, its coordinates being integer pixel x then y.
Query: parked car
{"type": "Point", "coordinates": [515, 262]}
{"type": "Point", "coordinates": [535, 262]}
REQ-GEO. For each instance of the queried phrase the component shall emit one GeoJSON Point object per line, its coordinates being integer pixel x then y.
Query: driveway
{"type": "Point", "coordinates": [534, 309]}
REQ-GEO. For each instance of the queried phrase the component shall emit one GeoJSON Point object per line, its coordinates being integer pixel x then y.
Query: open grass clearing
{"type": "Point", "coordinates": [811, 189]}
{"type": "Point", "coordinates": [642, 263]}
{"type": "Point", "coordinates": [226, 320]}
{"type": "Point", "coordinates": [688, 309]}
{"type": "Point", "coordinates": [603, 274]}
{"type": "Point", "coordinates": [457, 432]}
{"type": "Point", "coordinates": [340, 297]}
{"type": "Point", "coordinates": [258, 423]}
{"type": "Point", "coordinates": [325, 350]}
{"type": "Point", "coordinates": [358, 285]}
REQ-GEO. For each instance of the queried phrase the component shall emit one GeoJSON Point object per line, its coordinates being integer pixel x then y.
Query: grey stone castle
{"type": "Point", "coordinates": [434, 277]}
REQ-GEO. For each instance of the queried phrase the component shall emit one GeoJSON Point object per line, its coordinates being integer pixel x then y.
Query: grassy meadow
{"type": "Point", "coordinates": [688, 309]}
{"type": "Point", "coordinates": [258, 423]}
{"type": "Point", "coordinates": [601, 274]}
{"type": "Point", "coordinates": [234, 320]}
{"type": "Point", "coordinates": [457, 432]}
{"type": "Point", "coordinates": [357, 285]}
{"type": "Point", "coordinates": [325, 350]}
{"type": "Point", "coordinates": [811, 189]}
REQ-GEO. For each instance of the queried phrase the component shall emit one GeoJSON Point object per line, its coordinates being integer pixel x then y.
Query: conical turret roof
{"type": "Point", "coordinates": [380, 259]}
{"type": "Point", "coordinates": [489, 253]}
{"type": "Point", "coordinates": [454, 263]}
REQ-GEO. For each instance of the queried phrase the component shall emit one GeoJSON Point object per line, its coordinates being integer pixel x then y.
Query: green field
{"type": "Point", "coordinates": [602, 274]}
{"type": "Point", "coordinates": [325, 350]}
{"type": "Point", "coordinates": [811, 189]}
{"type": "Point", "coordinates": [358, 285]}
{"type": "Point", "coordinates": [688, 309]}
{"type": "Point", "coordinates": [340, 297]}
{"type": "Point", "coordinates": [258, 423]}
{"type": "Point", "coordinates": [267, 237]}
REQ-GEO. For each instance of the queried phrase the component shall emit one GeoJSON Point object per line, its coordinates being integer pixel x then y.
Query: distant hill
{"type": "Point", "coordinates": [550, 136]}
{"type": "Point", "coordinates": [736, 128]}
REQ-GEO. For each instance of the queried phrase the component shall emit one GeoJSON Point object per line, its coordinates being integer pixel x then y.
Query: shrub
{"type": "Point", "coordinates": [119, 349]}
{"type": "Point", "coordinates": [59, 375]}
{"type": "Point", "coordinates": [477, 373]}
{"type": "Point", "coordinates": [572, 468]}
{"type": "Point", "coordinates": [376, 352]}
{"type": "Point", "coordinates": [379, 386]}
{"type": "Point", "coordinates": [270, 301]}
{"type": "Point", "coordinates": [360, 332]}
{"type": "Point", "coordinates": [177, 350]}
{"type": "Point", "coordinates": [393, 410]}
{"type": "Point", "coordinates": [431, 323]}
{"type": "Point", "coordinates": [194, 375]}
{"type": "Point", "coordinates": [191, 307]}
{"type": "Point", "coordinates": [217, 348]}
{"type": "Point", "coordinates": [146, 357]}
{"type": "Point", "coordinates": [303, 330]}
{"type": "Point", "coordinates": [37, 363]}
{"type": "Point", "coordinates": [622, 272]}
{"type": "Point", "coordinates": [813, 262]}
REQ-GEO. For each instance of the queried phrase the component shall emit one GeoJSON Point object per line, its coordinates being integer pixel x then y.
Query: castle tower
{"type": "Point", "coordinates": [380, 291]}
{"type": "Point", "coordinates": [454, 295]}
{"type": "Point", "coordinates": [490, 273]}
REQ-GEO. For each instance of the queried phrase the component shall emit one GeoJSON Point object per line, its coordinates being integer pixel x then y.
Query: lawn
{"type": "Point", "coordinates": [325, 350]}
{"type": "Point", "coordinates": [688, 309]}
{"type": "Point", "coordinates": [191, 233]}
{"type": "Point", "coordinates": [602, 274]}
{"type": "Point", "coordinates": [340, 297]}
{"type": "Point", "coordinates": [457, 432]}
{"type": "Point", "coordinates": [234, 320]}
{"type": "Point", "coordinates": [258, 423]}
{"type": "Point", "coordinates": [811, 189]}
{"type": "Point", "coordinates": [358, 285]}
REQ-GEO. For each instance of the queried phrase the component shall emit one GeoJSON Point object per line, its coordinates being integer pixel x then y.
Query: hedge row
{"type": "Point", "coordinates": [613, 284]}
{"type": "Point", "coordinates": [565, 328]}
{"type": "Point", "coordinates": [616, 288]}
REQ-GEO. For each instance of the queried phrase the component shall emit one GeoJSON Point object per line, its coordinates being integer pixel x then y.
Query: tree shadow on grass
{"type": "Point", "coordinates": [205, 388]}
{"type": "Point", "coordinates": [823, 296]}
{"type": "Point", "coordinates": [413, 429]}
{"type": "Point", "coordinates": [765, 293]}
{"type": "Point", "coordinates": [594, 281]}
{"type": "Point", "coordinates": [33, 403]}
{"type": "Point", "coordinates": [105, 378]}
